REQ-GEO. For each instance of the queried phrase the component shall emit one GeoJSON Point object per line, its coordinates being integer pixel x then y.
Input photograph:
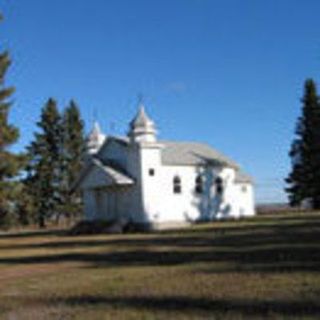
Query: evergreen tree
{"type": "Point", "coordinates": [10, 163]}
{"type": "Point", "coordinates": [25, 209]}
{"type": "Point", "coordinates": [44, 172]}
{"type": "Point", "coordinates": [72, 158]}
{"type": "Point", "coordinates": [304, 179]}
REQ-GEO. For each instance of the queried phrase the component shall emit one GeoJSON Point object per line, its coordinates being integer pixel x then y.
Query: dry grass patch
{"type": "Point", "coordinates": [262, 267]}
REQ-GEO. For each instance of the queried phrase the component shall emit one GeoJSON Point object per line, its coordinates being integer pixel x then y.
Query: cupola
{"type": "Point", "coordinates": [142, 128]}
{"type": "Point", "coordinates": [95, 139]}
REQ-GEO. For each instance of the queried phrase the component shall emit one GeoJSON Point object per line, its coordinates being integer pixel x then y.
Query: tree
{"type": "Point", "coordinates": [72, 158]}
{"type": "Point", "coordinates": [10, 163]}
{"type": "Point", "coordinates": [54, 162]}
{"type": "Point", "coordinates": [304, 179]}
{"type": "Point", "coordinates": [44, 173]}
{"type": "Point", "coordinates": [25, 211]}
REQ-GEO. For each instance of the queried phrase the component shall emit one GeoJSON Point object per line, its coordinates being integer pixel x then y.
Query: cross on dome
{"type": "Point", "coordinates": [142, 128]}
{"type": "Point", "coordinates": [141, 119]}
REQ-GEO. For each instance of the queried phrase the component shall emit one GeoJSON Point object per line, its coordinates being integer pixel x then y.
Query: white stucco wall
{"type": "Point", "coordinates": [163, 205]}
{"type": "Point", "coordinates": [151, 199]}
{"type": "Point", "coordinates": [245, 199]}
{"type": "Point", "coordinates": [89, 204]}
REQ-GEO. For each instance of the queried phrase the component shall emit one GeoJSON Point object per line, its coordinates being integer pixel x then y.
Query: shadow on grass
{"type": "Point", "coordinates": [191, 305]}
{"type": "Point", "coordinates": [267, 260]}
{"type": "Point", "coordinates": [237, 236]}
{"type": "Point", "coordinates": [279, 247]}
{"type": "Point", "coordinates": [28, 234]}
{"type": "Point", "coordinates": [188, 304]}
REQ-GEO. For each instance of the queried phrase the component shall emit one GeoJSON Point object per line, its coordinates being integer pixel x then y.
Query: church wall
{"type": "Point", "coordinates": [162, 205]}
{"type": "Point", "coordinates": [95, 179]}
{"type": "Point", "coordinates": [130, 200]}
{"type": "Point", "coordinates": [154, 200]}
{"type": "Point", "coordinates": [151, 187]}
{"type": "Point", "coordinates": [109, 204]}
{"type": "Point", "coordinates": [132, 204]}
{"type": "Point", "coordinates": [245, 199]}
{"type": "Point", "coordinates": [115, 203]}
{"type": "Point", "coordinates": [89, 204]}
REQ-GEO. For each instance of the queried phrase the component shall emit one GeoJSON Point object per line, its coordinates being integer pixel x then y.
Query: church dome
{"type": "Point", "coordinates": [95, 139]}
{"type": "Point", "coordinates": [141, 120]}
{"type": "Point", "coordinates": [142, 128]}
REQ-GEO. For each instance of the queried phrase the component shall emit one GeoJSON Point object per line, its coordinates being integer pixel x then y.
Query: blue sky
{"type": "Point", "coordinates": [226, 72]}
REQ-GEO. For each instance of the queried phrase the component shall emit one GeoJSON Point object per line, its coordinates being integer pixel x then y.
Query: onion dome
{"type": "Point", "coordinates": [142, 128]}
{"type": "Point", "coordinates": [95, 139]}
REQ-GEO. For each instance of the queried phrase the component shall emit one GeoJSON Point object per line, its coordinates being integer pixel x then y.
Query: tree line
{"type": "Point", "coordinates": [53, 161]}
{"type": "Point", "coordinates": [35, 185]}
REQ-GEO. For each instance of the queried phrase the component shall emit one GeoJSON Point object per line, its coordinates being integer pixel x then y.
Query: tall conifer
{"type": "Point", "coordinates": [72, 157]}
{"type": "Point", "coordinates": [304, 179]}
{"type": "Point", "coordinates": [9, 162]}
{"type": "Point", "coordinates": [44, 172]}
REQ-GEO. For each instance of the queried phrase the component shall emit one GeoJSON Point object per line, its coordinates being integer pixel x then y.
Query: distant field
{"type": "Point", "coordinates": [268, 266]}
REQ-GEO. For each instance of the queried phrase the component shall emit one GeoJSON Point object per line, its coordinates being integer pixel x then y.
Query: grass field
{"type": "Point", "coordinates": [268, 266]}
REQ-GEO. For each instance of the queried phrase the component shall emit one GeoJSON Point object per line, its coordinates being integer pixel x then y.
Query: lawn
{"type": "Point", "coordinates": [265, 267]}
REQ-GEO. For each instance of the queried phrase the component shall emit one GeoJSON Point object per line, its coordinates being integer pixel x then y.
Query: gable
{"type": "Point", "coordinates": [95, 179]}
{"type": "Point", "coordinates": [114, 149]}
{"type": "Point", "coordinates": [97, 175]}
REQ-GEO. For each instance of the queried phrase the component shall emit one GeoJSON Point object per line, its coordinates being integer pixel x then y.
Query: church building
{"type": "Point", "coordinates": [157, 183]}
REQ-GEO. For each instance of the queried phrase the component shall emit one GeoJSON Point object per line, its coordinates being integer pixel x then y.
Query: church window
{"type": "Point", "coordinates": [219, 186]}
{"type": "Point", "coordinates": [199, 185]}
{"type": "Point", "coordinates": [176, 184]}
{"type": "Point", "coordinates": [151, 172]}
{"type": "Point", "coordinates": [244, 189]}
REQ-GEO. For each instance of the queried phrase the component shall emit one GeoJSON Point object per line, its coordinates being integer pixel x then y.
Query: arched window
{"type": "Point", "coordinates": [219, 186]}
{"type": "Point", "coordinates": [176, 184]}
{"type": "Point", "coordinates": [199, 185]}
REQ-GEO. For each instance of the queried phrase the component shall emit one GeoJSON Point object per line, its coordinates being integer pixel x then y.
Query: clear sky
{"type": "Point", "coordinates": [226, 72]}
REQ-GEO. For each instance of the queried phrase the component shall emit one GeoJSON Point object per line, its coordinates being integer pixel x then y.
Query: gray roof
{"type": "Point", "coordinates": [141, 119]}
{"type": "Point", "coordinates": [117, 176]}
{"type": "Point", "coordinates": [193, 153]}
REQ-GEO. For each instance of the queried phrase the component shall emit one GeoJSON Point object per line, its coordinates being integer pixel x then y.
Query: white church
{"type": "Point", "coordinates": [160, 184]}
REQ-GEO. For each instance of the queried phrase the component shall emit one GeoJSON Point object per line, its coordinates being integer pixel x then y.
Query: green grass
{"type": "Point", "coordinates": [265, 267]}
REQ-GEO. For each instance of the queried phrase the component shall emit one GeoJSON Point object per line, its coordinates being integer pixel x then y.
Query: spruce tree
{"type": "Point", "coordinates": [72, 158]}
{"type": "Point", "coordinates": [304, 179]}
{"type": "Point", "coordinates": [44, 167]}
{"type": "Point", "coordinates": [10, 163]}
